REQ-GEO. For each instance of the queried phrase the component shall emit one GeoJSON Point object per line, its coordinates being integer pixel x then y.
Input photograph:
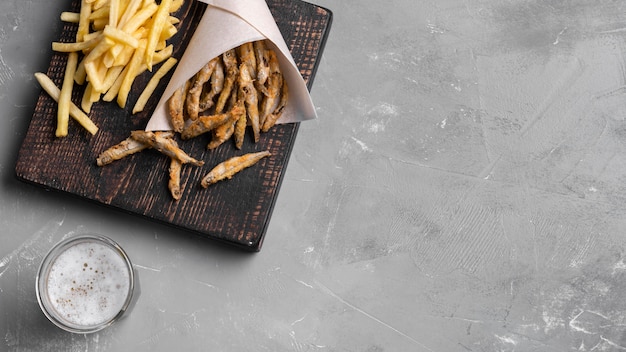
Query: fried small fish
{"type": "Point", "coordinates": [216, 86]}
{"type": "Point", "coordinates": [271, 119]}
{"type": "Point", "coordinates": [119, 151]}
{"type": "Point", "coordinates": [207, 123]}
{"type": "Point", "coordinates": [246, 57]}
{"type": "Point", "coordinates": [231, 68]}
{"type": "Point", "coordinates": [250, 96]}
{"type": "Point", "coordinates": [174, 181]}
{"type": "Point", "coordinates": [228, 168]}
{"type": "Point", "coordinates": [192, 102]}
{"type": "Point", "coordinates": [165, 145]}
{"type": "Point", "coordinates": [262, 65]}
{"type": "Point", "coordinates": [275, 82]}
{"type": "Point", "coordinates": [125, 148]}
{"type": "Point", "coordinates": [176, 106]}
{"type": "Point", "coordinates": [223, 132]}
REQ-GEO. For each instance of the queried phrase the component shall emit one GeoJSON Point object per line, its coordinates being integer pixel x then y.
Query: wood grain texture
{"type": "Point", "coordinates": [237, 211]}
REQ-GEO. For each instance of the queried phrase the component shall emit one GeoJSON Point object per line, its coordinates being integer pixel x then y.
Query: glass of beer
{"type": "Point", "coordinates": [85, 283]}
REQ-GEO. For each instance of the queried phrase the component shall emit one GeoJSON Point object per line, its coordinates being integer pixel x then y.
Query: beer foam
{"type": "Point", "coordinates": [88, 284]}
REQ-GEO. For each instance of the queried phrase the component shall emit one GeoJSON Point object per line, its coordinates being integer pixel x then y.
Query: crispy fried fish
{"type": "Point", "coordinates": [119, 151]}
{"type": "Point", "coordinates": [192, 103]}
{"type": "Point", "coordinates": [174, 181]}
{"type": "Point", "coordinates": [246, 57]}
{"type": "Point", "coordinates": [271, 119]}
{"type": "Point", "coordinates": [176, 105]}
{"type": "Point", "coordinates": [232, 72]}
{"type": "Point", "coordinates": [207, 123]}
{"type": "Point", "coordinates": [275, 82]}
{"type": "Point", "coordinates": [250, 96]}
{"type": "Point", "coordinates": [230, 167]}
{"type": "Point", "coordinates": [125, 148]}
{"type": "Point", "coordinates": [165, 145]}
{"type": "Point", "coordinates": [262, 65]}
{"type": "Point", "coordinates": [223, 132]}
{"type": "Point", "coordinates": [217, 84]}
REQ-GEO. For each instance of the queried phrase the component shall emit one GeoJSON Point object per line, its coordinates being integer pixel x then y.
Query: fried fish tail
{"type": "Point", "coordinates": [176, 105]}
{"type": "Point", "coordinates": [231, 72]}
{"type": "Point", "coordinates": [271, 119]}
{"type": "Point", "coordinates": [217, 84]}
{"type": "Point", "coordinates": [249, 92]}
{"type": "Point", "coordinates": [192, 103]}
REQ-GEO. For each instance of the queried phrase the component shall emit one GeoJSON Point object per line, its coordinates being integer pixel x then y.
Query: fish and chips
{"type": "Point", "coordinates": [118, 40]}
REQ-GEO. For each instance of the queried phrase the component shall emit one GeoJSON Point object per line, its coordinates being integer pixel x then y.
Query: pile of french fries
{"type": "Point", "coordinates": [116, 41]}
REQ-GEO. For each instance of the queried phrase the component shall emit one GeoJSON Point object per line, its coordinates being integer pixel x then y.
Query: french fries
{"type": "Point", "coordinates": [65, 97]}
{"type": "Point", "coordinates": [116, 41]}
{"type": "Point", "coordinates": [75, 112]}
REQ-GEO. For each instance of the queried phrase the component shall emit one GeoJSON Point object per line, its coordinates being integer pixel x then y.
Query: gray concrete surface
{"type": "Point", "coordinates": [463, 189]}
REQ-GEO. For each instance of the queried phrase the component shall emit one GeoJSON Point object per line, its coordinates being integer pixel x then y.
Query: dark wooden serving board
{"type": "Point", "coordinates": [235, 211]}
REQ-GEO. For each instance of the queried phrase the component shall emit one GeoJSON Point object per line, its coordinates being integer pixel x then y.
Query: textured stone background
{"type": "Point", "coordinates": [463, 189]}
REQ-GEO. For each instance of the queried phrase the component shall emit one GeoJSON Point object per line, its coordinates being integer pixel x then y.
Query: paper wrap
{"type": "Point", "coordinates": [225, 25]}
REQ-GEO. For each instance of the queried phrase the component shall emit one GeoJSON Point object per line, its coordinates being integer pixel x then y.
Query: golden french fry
{"type": "Point", "coordinates": [158, 22]}
{"type": "Point", "coordinates": [120, 36]}
{"type": "Point", "coordinates": [80, 75]}
{"type": "Point", "coordinates": [152, 84]}
{"type": "Point", "coordinates": [115, 87]}
{"type": "Point", "coordinates": [54, 92]}
{"type": "Point", "coordinates": [65, 96]}
{"type": "Point", "coordinates": [114, 11]}
{"type": "Point", "coordinates": [99, 3]}
{"type": "Point", "coordinates": [131, 10]}
{"type": "Point", "coordinates": [85, 102]}
{"type": "Point", "coordinates": [103, 46]}
{"type": "Point", "coordinates": [176, 4]}
{"type": "Point", "coordinates": [140, 18]}
{"type": "Point", "coordinates": [134, 68]}
{"type": "Point", "coordinates": [83, 21]}
{"type": "Point", "coordinates": [96, 73]}
{"type": "Point", "coordinates": [100, 13]}
{"type": "Point", "coordinates": [111, 76]}
{"type": "Point", "coordinates": [70, 17]}
{"type": "Point", "coordinates": [77, 46]}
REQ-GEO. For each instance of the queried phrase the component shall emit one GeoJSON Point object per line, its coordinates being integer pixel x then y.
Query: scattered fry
{"type": "Point", "coordinates": [152, 84]}
{"type": "Point", "coordinates": [65, 97]}
{"type": "Point", "coordinates": [75, 112]}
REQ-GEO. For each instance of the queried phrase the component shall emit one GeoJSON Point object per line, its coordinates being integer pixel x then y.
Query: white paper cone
{"type": "Point", "coordinates": [225, 25]}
